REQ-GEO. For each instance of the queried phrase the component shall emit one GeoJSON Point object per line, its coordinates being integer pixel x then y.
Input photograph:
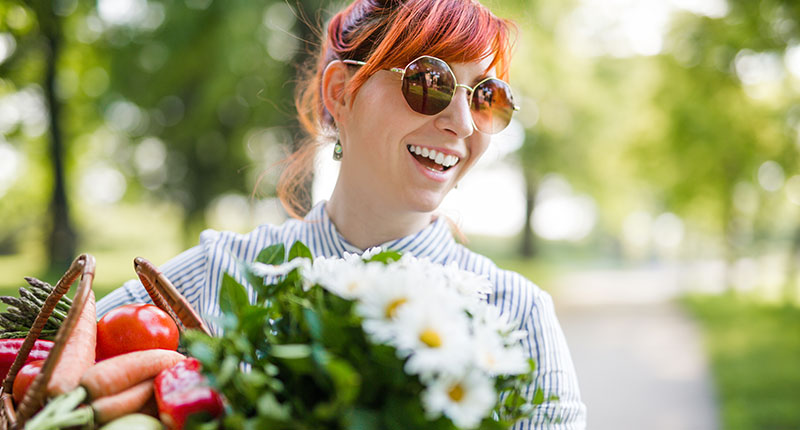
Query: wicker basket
{"type": "Point", "coordinates": [167, 297]}
{"type": "Point", "coordinates": [161, 290]}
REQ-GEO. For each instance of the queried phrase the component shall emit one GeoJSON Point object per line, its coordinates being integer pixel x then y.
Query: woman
{"type": "Point", "coordinates": [411, 93]}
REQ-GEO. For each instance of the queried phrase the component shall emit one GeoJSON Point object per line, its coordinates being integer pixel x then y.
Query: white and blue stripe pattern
{"type": "Point", "coordinates": [197, 273]}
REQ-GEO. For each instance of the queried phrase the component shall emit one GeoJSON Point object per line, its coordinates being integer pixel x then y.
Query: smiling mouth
{"type": "Point", "coordinates": [433, 159]}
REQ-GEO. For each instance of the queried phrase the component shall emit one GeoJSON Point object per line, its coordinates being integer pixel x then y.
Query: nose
{"type": "Point", "coordinates": [456, 119]}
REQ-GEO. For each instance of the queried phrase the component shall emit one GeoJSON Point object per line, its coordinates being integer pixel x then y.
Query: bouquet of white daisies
{"type": "Point", "coordinates": [377, 341]}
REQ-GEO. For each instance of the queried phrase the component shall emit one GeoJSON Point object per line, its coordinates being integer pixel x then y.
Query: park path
{"type": "Point", "coordinates": [638, 355]}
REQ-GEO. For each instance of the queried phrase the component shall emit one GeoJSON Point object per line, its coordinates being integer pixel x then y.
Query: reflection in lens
{"type": "Point", "coordinates": [428, 85]}
{"type": "Point", "coordinates": [492, 106]}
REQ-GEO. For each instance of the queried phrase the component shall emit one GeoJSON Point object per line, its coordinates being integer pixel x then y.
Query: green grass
{"type": "Point", "coordinates": [755, 356]}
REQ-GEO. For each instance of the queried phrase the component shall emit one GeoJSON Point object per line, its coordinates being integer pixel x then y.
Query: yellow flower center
{"type": "Point", "coordinates": [430, 338]}
{"type": "Point", "coordinates": [352, 286]}
{"type": "Point", "coordinates": [456, 393]}
{"type": "Point", "coordinates": [391, 309]}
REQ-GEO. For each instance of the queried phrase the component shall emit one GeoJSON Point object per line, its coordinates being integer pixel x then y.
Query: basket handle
{"type": "Point", "coordinates": [167, 297]}
{"type": "Point", "coordinates": [83, 265]}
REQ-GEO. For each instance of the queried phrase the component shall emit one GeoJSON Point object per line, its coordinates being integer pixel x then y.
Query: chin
{"type": "Point", "coordinates": [425, 201]}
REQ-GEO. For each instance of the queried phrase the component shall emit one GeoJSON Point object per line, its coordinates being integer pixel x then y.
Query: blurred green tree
{"type": "Point", "coordinates": [36, 28]}
{"type": "Point", "coordinates": [214, 88]}
{"type": "Point", "coordinates": [718, 129]}
{"type": "Point", "coordinates": [188, 99]}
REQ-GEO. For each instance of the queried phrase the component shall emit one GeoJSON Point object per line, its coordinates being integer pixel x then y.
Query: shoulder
{"type": "Point", "coordinates": [246, 246]}
{"type": "Point", "coordinates": [512, 292]}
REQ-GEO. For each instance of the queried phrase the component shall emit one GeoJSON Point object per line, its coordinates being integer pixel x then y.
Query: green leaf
{"type": "Point", "coordinates": [300, 250]}
{"type": "Point", "coordinates": [201, 351]}
{"type": "Point", "coordinates": [268, 406]}
{"type": "Point", "coordinates": [253, 320]}
{"type": "Point", "coordinates": [202, 421]}
{"type": "Point", "coordinates": [233, 422]}
{"type": "Point", "coordinates": [361, 419]}
{"type": "Point", "coordinates": [272, 254]}
{"type": "Point", "coordinates": [386, 257]}
{"type": "Point", "coordinates": [314, 324]}
{"type": "Point", "coordinates": [255, 378]}
{"type": "Point", "coordinates": [255, 281]}
{"type": "Point", "coordinates": [538, 396]}
{"type": "Point", "coordinates": [346, 379]}
{"type": "Point", "coordinates": [232, 296]}
{"type": "Point", "coordinates": [291, 352]}
{"type": "Point", "coordinates": [229, 366]}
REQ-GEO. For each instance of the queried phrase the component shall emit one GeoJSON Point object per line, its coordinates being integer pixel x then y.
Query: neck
{"type": "Point", "coordinates": [366, 224]}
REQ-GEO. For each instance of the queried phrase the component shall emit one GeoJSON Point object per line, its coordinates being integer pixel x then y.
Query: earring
{"type": "Point", "coordinates": [337, 151]}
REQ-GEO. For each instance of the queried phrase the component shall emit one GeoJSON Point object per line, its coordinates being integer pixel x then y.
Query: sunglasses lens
{"type": "Point", "coordinates": [492, 106]}
{"type": "Point", "coordinates": [428, 85]}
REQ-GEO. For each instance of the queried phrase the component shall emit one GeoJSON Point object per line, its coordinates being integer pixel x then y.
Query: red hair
{"type": "Point", "coordinates": [385, 34]}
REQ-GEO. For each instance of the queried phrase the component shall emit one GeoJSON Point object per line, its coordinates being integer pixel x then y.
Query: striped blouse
{"type": "Point", "coordinates": [197, 273]}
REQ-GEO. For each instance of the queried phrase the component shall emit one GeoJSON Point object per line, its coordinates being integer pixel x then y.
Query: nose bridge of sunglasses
{"type": "Point", "coordinates": [467, 94]}
{"type": "Point", "coordinates": [466, 87]}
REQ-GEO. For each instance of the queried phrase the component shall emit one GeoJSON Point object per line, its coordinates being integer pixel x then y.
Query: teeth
{"type": "Point", "coordinates": [438, 157]}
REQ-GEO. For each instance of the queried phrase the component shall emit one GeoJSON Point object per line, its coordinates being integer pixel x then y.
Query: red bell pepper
{"type": "Point", "coordinates": [181, 391]}
{"type": "Point", "coordinates": [9, 348]}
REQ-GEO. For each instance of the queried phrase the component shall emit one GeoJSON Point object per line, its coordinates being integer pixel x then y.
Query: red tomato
{"type": "Point", "coordinates": [25, 378]}
{"type": "Point", "coordinates": [133, 328]}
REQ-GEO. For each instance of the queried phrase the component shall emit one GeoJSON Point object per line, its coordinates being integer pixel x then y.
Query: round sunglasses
{"type": "Point", "coordinates": [429, 85]}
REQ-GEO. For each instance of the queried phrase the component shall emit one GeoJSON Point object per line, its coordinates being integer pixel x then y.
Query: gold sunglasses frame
{"type": "Point", "coordinates": [470, 90]}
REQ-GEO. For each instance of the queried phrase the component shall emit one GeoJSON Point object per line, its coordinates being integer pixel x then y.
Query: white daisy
{"type": "Point", "coordinates": [346, 279]}
{"type": "Point", "coordinates": [465, 400]}
{"type": "Point", "coordinates": [490, 317]}
{"type": "Point", "coordinates": [467, 283]}
{"type": "Point", "coordinates": [389, 293]}
{"type": "Point", "coordinates": [494, 358]}
{"type": "Point", "coordinates": [371, 252]}
{"type": "Point", "coordinates": [435, 337]}
{"type": "Point", "coordinates": [471, 287]}
{"type": "Point", "coordinates": [264, 270]}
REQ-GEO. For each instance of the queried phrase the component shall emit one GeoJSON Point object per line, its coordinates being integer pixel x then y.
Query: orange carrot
{"type": "Point", "coordinates": [78, 352]}
{"type": "Point", "coordinates": [123, 403]}
{"type": "Point", "coordinates": [118, 373]}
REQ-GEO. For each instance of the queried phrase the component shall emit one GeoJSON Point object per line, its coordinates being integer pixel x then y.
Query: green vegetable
{"type": "Point", "coordinates": [22, 311]}
{"type": "Point", "coordinates": [61, 413]}
{"type": "Point", "coordinates": [46, 334]}
{"type": "Point", "coordinates": [134, 422]}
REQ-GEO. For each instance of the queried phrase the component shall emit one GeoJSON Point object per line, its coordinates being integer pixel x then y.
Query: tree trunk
{"type": "Point", "coordinates": [791, 291]}
{"type": "Point", "coordinates": [61, 242]}
{"type": "Point", "coordinates": [731, 253]}
{"type": "Point", "coordinates": [528, 246]}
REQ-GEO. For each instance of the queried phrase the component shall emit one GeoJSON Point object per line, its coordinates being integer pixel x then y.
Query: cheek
{"type": "Point", "coordinates": [379, 110]}
{"type": "Point", "coordinates": [477, 148]}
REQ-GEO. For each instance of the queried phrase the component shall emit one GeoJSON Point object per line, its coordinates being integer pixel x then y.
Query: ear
{"type": "Point", "coordinates": [334, 83]}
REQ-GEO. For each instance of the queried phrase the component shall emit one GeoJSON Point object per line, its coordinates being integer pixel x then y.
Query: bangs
{"type": "Point", "coordinates": [461, 31]}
